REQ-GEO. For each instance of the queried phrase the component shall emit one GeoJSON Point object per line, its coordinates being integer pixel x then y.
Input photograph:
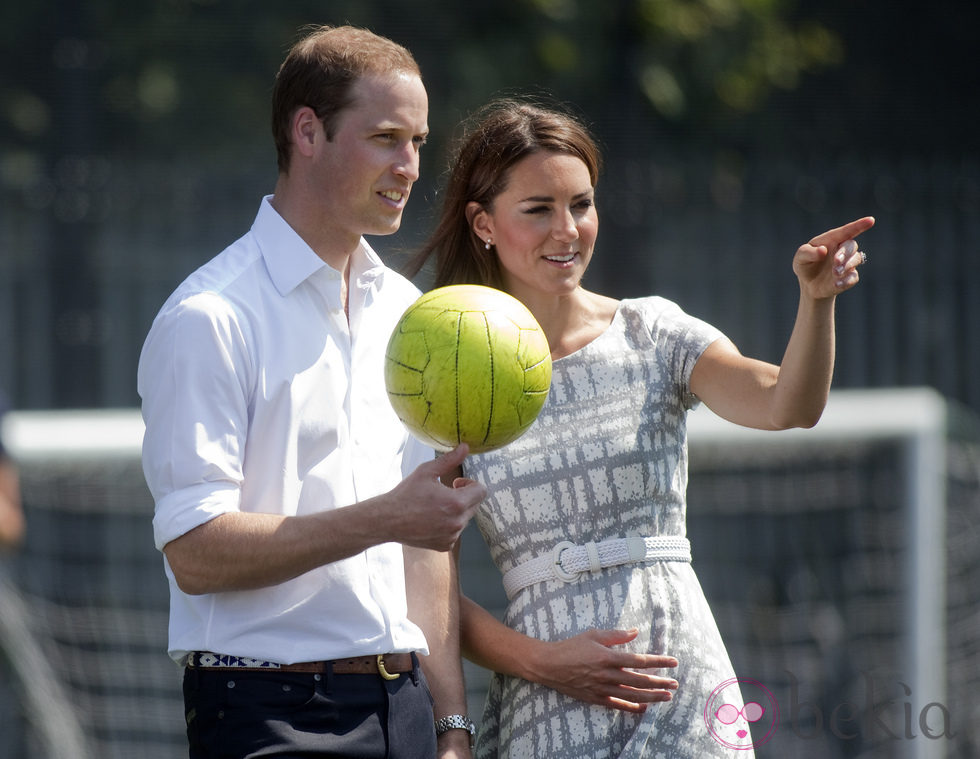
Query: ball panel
{"type": "Point", "coordinates": [475, 372]}
{"type": "Point", "coordinates": [435, 424]}
{"type": "Point", "coordinates": [405, 359]}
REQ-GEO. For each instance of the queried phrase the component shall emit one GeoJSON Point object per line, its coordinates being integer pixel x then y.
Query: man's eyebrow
{"type": "Point", "coordinates": [394, 126]}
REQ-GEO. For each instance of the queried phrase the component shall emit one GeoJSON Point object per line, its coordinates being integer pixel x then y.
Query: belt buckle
{"type": "Point", "coordinates": [381, 669]}
{"type": "Point", "coordinates": [560, 572]}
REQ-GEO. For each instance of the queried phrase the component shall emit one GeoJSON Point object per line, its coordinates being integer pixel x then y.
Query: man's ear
{"type": "Point", "coordinates": [306, 129]}
{"type": "Point", "coordinates": [479, 220]}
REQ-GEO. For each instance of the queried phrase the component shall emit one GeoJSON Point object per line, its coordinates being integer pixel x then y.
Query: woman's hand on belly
{"type": "Point", "coordinates": [590, 668]}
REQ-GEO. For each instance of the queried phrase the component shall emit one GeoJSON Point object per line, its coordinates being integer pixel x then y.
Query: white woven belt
{"type": "Point", "coordinates": [567, 560]}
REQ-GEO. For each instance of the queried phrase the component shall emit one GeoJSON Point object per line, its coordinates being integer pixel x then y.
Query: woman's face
{"type": "Point", "coordinates": [543, 225]}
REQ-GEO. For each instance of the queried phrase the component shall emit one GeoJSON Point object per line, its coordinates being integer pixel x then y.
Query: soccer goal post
{"type": "Point", "coordinates": [863, 498]}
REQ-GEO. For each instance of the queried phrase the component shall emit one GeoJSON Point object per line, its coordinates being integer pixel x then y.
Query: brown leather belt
{"type": "Point", "coordinates": [388, 666]}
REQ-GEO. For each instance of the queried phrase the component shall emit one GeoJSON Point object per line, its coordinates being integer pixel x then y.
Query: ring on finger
{"type": "Point", "coordinates": [864, 257]}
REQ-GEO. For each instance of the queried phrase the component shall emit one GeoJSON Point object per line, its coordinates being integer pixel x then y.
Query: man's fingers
{"type": "Point", "coordinates": [450, 461]}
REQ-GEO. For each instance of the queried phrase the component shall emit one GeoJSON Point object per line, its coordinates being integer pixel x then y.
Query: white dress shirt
{"type": "Point", "coordinates": [259, 396]}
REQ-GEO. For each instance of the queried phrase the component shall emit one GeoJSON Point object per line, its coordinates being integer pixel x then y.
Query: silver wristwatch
{"type": "Point", "coordinates": [456, 722]}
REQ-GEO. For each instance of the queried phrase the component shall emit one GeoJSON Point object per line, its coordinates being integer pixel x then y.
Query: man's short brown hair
{"type": "Point", "coordinates": [320, 71]}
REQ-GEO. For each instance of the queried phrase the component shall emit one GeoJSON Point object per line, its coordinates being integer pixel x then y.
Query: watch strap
{"type": "Point", "coordinates": [455, 722]}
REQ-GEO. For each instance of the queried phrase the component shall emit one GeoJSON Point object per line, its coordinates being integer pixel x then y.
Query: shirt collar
{"type": "Point", "coordinates": [365, 265]}
{"type": "Point", "coordinates": [290, 261]}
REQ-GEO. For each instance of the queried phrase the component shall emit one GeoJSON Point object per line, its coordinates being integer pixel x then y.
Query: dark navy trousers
{"type": "Point", "coordinates": [234, 714]}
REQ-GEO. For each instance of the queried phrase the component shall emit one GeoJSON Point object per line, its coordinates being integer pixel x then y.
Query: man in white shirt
{"type": "Point", "coordinates": [305, 534]}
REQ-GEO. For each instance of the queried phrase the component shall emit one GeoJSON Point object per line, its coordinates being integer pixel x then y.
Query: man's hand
{"type": "Point", "coordinates": [245, 550]}
{"type": "Point", "coordinates": [428, 514]}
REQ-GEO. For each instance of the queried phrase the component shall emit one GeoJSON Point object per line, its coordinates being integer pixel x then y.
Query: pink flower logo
{"type": "Point", "coordinates": [729, 717]}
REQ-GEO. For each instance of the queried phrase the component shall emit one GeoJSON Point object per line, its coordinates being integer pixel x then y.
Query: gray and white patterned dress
{"type": "Point", "coordinates": [606, 458]}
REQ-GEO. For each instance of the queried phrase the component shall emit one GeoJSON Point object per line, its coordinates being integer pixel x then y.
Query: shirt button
{"type": "Point", "coordinates": [231, 683]}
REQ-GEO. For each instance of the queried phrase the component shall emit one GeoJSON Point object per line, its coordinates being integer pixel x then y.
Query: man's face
{"type": "Point", "coordinates": [364, 175]}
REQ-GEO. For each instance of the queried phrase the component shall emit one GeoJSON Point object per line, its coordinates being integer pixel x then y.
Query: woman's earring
{"type": "Point", "coordinates": [489, 243]}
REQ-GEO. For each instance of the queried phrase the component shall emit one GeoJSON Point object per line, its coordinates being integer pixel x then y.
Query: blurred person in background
{"type": "Point", "coordinates": [306, 536]}
{"type": "Point", "coordinates": [11, 511]}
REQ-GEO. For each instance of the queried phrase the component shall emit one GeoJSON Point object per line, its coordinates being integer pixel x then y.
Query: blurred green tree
{"type": "Point", "coordinates": [163, 78]}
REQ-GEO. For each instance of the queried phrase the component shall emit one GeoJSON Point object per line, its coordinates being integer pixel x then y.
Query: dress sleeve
{"type": "Point", "coordinates": [680, 339]}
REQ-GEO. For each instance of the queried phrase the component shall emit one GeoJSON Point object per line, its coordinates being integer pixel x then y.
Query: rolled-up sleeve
{"type": "Point", "coordinates": [193, 379]}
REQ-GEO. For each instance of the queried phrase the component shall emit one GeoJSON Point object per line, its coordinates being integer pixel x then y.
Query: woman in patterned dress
{"type": "Point", "coordinates": [614, 651]}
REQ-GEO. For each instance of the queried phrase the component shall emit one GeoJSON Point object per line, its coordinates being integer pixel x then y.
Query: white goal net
{"type": "Point", "coordinates": [842, 565]}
